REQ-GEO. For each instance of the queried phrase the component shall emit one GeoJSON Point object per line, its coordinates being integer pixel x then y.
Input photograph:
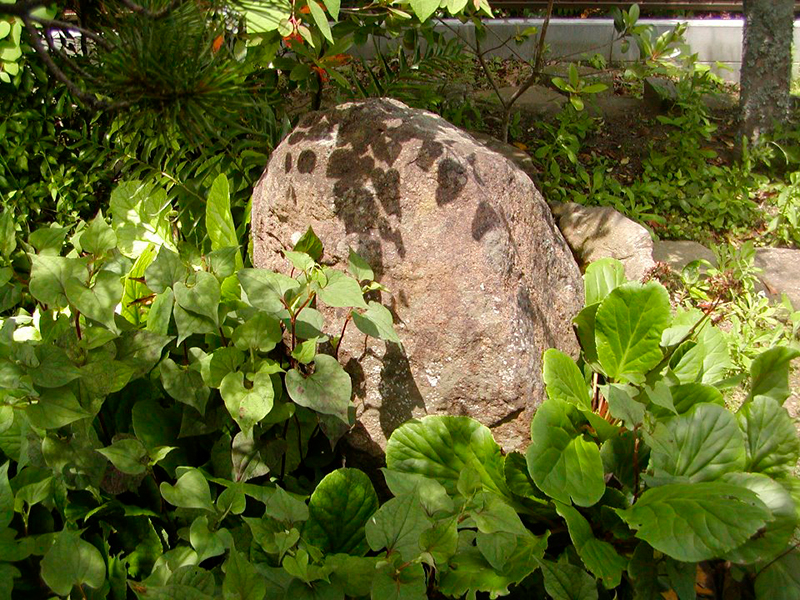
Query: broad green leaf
{"type": "Point", "coordinates": [692, 522]}
{"type": "Point", "coordinates": [492, 515]}
{"type": "Point", "coordinates": [184, 384]}
{"type": "Point", "coordinates": [769, 373]}
{"type": "Point", "coordinates": [99, 301]}
{"type": "Point", "coordinates": [440, 447]}
{"type": "Point", "coordinates": [208, 543]}
{"type": "Point", "coordinates": [55, 409]}
{"type": "Point", "coordinates": [135, 292]}
{"type": "Point", "coordinates": [48, 240]}
{"type": "Point", "coordinates": [769, 543]}
{"type": "Point", "coordinates": [601, 277]}
{"type": "Point", "coordinates": [339, 509]}
{"type": "Point", "coordinates": [232, 500]}
{"type": "Point", "coordinates": [561, 462]}
{"type": "Point", "coordinates": [377, 322]}
{"type": "Point", "coordinates": [247, 457]}
{"type": "Point", "coordinates": [621, 404]}
{"type": "Point", "coordinates": [165, 271]}
{"type": "Point", "coordinates": [248, 400]}
{"type": "Point", "coordinates": [49, 275]}
{"type": "Point", "coordinates": [779, 580]}
{"type": "Point", "coordinates": [564, 379]}
{"type": "Point", "coordinates": [190, 323]}
{"type": "Point", "coordinates": [617, 453]}
{"type": "Point", "coordinates": [328, 390]}
{"type": "Point", "coordinates": [98, 238]}
{"type": "Point", "coordinates": [7, 575]}
{"type": "Point", "coordinates": [405, 584]}
{"type": "Point", "coordinates": [286, 508]}
{"type": "Point", "coordinates": [431, 494]}
{"type": "Point", "coordinates": [354, 574]}
{"type": "Point", "coordinates": [474, 572]}
{"type": "Point", "coordinates": [309, 243]}
{"type": "Point", "coordinates": [6, 497]}
{"type": "Point", "coordinates": [199, 295]}
{"type": "Point", "coordinates": [265, 289]}
{"type": "Point", "coordinates": [333, 9]}
{"type": "Point", "coordinates": [564, 581]}
{"type": "Point", "coordinates": [260, 332]}
{"type": "Point", "coordinates": [139, 217]}
{"type": "Point", "coordinates": [304, 352]}
{"type": "Point", "coordinates": [686, 395]}
{"type": "Point", "coordinates": [141, 350]}
{"type": "Point", "coordinates": [261, 17]}
{"type": "Point", "coordinates": [321, 20]}
{"type": "Point", "coordinates": [705, 361]}
{"type": "Point", "coordinates": [518, 479]}
{"type": "Point", "coordinates": [771, 441]}
{"type": "Point", "coordinates": [441, 540]}
{"type": "Point", "coordinates": [300, 260]}
{"type": "Point", "coordinates": [702, 445]}
{"type": "Point", "coordinates": [219, 222]}
{"type": "Point", "coordinates": [154, 425]}
{"type": "Point", "coordinates": [584, 323]}
{"type": "Point", "coordinates": [357, 266]}
{"type": "Point", "coordinates": [341, 290]}
{"type": "Point", "coordinates": [497, 547]}
{"type": "Point", "coordinates": [242, 580]}
{"type": "Point", "coordinates": [127, 455]}
{"type": "Point", "coordinates": [397, 527]}
{"type": "Point", "coordinates": [599, 557]}
{"type": "Point", "coordinates": [424, 9]}
{"type": "Point", "coordinates": [71, 561]}
{"type": "Point", "coordinates": [190, 491]}
{"type": "Point", "coordinates": [629, 324]}
{"type": "Point", "coordinates": [8, 238]}
{"type": "Point", "coordinates": [187, 582]}
{"type": "Point", "coordinates": [215, 366]}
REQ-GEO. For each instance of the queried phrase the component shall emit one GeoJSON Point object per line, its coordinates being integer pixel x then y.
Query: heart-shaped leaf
{"type": "Point", "coordinates": [327, 390]}
{"type": "Point", "coordinates": [199, 295]}
{"type": "Point", "coordinates": [190, 491]}
{"type": "Point", "coordinates": [247, 400]}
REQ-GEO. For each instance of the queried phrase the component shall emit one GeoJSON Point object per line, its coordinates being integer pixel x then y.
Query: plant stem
{"type": "Point", "coordinates": [341, 337]}
{"type": "Point", "coordinates": [78, 324]}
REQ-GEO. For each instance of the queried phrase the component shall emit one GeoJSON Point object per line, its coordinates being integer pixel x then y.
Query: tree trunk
{"type": "Point", "coordinates": [766, 65]}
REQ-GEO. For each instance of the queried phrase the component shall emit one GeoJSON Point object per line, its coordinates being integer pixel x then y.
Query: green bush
{"type": "Point", "coordinates": [147, 382]}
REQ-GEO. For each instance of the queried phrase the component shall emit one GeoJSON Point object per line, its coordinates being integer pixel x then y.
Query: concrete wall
{"type": "Point", "coordinates": [714, 40]}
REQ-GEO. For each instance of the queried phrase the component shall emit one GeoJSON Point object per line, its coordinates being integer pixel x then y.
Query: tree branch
{"type": "Point", "coordinates": [64, 26]}
{"type": "Point", "coordinates": [40, 50]}
{"type": "Point", "coordinates": [21, 9]}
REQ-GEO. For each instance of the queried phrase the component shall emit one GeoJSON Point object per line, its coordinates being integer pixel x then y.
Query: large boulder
{"type": "Point", "coordinates": [480, 280]}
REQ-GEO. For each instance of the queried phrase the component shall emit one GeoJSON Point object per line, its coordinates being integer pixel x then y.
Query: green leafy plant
{"type": "Point", "coordinates": [633, 456]}
{"type": "Point", "coordinates": [150, 387]}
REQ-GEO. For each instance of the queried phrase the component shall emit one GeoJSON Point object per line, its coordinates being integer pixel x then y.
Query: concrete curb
{"type": "Point", "coordinates": [714, 40]}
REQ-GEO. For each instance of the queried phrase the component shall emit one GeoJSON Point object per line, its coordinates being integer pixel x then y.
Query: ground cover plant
{"type": "Point", "coordinates": [184, 446]}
